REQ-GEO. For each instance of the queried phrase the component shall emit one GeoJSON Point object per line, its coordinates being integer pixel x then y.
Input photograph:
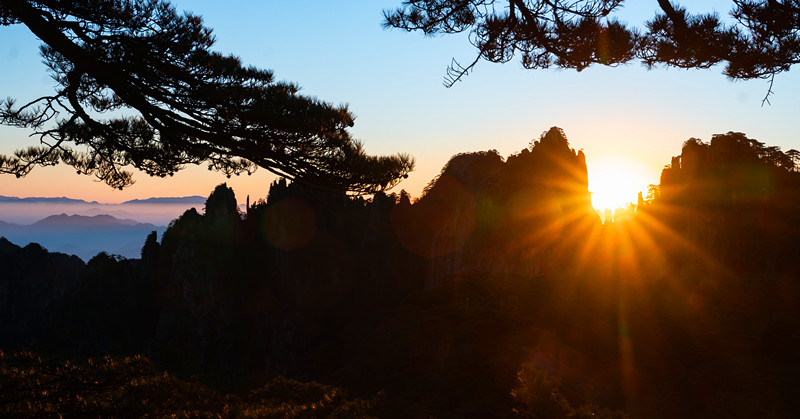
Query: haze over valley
{"type": "Point", "coordinates": [158, 211]}
{"type": "Point", "coordinates": [77, 227]}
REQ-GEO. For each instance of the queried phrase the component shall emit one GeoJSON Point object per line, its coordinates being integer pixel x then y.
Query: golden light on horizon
{"type": "Point", "coordinates": [615, 182]}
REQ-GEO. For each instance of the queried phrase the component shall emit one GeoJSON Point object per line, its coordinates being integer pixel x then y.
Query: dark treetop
{"type": "Point", "coordinates": [761, 41]}
{"type": "Point", "coordinates": [138, 85]}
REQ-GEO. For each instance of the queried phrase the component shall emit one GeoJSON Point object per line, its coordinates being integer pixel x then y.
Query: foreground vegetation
{"type": "Point", "coordinates": [132, 387]}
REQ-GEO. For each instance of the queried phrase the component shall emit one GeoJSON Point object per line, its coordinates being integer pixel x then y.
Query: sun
{"type": "Point", "coordinates": [615, 182]}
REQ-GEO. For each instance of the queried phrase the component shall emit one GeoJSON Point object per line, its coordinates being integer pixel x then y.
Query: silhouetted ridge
{"type": "Point", "coordinates": [487, 214]}
{"type": "Point", "coordinates": [280, 288]}
{"type": "Point", "coordinates": [736, 198]}
{"type": "Point", "coordinates": [500, 277]}
{"type": "Point", "coordinates": [32, 284]}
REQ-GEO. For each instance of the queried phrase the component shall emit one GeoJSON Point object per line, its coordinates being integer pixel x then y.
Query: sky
{"type": "Point", "coordinates": [626, 117]}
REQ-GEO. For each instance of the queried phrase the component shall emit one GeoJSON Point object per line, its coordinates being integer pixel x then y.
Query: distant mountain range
{"type": "Point", "coordinates": [155, 210]}
{"type": "Point", "coordinates": [83, 228]}
{"type": "Point", "coordinates": [83, 236]}
{"type": "Point", "coordinates": [190, 200]}
{"type": "Point", "coordinates": [37, 200]}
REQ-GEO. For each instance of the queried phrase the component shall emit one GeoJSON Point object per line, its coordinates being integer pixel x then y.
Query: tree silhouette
{"type": "Point", "coordinates": [794, 157]}
{"type": "Point", "coordinates": [138, 85]}
{"type": "Point", "coordinates": [762, 42]}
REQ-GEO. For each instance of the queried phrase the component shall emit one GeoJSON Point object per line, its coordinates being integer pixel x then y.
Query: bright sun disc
{"type": "Point", "coordinates": [615, 182]}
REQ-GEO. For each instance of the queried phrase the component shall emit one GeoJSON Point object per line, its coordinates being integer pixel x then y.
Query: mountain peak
{"type": "Point", "coordinates": [100, 220]}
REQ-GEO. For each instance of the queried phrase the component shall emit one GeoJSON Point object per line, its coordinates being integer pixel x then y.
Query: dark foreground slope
{"type": "Point", "coordinates": [475, 299]}
{"type": "Point", "coordinates": [131, 387]}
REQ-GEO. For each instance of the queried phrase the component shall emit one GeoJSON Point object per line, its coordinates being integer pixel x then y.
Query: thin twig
{"type": "Point", "coordinates": [455, 71]}
{"type": "Point", "coordinates": [769, 91]}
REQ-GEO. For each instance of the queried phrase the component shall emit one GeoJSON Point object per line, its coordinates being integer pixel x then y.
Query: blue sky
{"type": "Point", "coordinates": [392, 81]}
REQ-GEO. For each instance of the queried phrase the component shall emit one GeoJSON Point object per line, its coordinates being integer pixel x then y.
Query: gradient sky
{"type": "Point", "coordinates": [392, 80]}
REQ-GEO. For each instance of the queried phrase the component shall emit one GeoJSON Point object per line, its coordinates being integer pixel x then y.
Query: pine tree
{"type": "Point", "coordinates": [763, 39]}
{"type": "Point", "coordinates": [138, 85]}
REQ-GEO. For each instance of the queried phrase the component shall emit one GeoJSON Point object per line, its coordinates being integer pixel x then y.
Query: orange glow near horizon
{"type": "Point", "coordinates": [615, 182]}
